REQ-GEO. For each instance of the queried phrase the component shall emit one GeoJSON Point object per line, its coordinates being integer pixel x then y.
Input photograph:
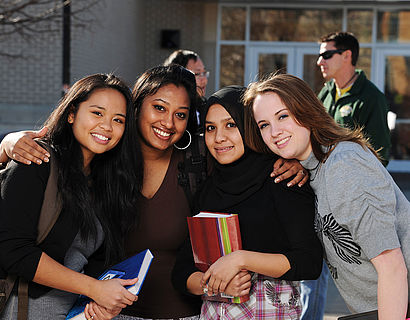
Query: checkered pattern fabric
{"type": "Point", "coordinates": [124, 317]}
{"type": "Point", "coordinates": [269, 299]}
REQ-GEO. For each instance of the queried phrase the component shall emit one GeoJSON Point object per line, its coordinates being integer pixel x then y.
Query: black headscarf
{"type": "Point", "coordinates": [232, 183]}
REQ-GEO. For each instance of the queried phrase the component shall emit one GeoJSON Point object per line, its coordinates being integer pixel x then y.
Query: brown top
{"type": "Point", "coordinates": [162, 228]}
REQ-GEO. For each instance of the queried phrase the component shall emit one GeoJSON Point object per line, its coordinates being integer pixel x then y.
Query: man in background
{"type": "Point", "coordinates": [349, 97]}
{"type": "Point", "coordinates": [191, 61]}
{"type": "Point", "coordinates": [354, 102]}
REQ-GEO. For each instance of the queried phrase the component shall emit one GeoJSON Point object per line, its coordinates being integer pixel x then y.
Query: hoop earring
{"type": "Point", "coordinates": [189, 143]}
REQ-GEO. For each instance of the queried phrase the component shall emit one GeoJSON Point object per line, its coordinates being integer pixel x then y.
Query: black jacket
{"type": "Point", "coordinates": [22, 191]}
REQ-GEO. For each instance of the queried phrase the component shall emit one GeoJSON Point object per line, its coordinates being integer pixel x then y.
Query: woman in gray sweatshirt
{"type": "Point", "coordinates": [362, 217]}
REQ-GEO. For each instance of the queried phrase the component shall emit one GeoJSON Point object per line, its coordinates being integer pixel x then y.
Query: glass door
{"type": "Point", "coordinates": [265, 60]}
{"type": "Point", "coordinates": [297, 60]}
{"type": "Point", "coordinates": [393, 78]}
{"type": "Point", "coordinates": [307, 69]}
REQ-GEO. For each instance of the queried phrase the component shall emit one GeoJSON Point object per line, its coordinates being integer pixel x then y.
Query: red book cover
{"type": "Point", "coordinates": [214, 235]}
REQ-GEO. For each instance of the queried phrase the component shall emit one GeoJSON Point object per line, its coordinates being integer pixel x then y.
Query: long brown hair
{"type": "Point", "coordinates": [306, 109]}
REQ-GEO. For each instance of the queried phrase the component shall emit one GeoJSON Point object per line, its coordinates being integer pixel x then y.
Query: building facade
{"type": "Point", "coordinates": [237, 40]}
{"type": "Point", "coordinates": [256, 39]}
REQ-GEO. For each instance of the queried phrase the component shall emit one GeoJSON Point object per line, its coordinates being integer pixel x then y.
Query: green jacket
{"type": "Point", "coordinates": [364, 105]}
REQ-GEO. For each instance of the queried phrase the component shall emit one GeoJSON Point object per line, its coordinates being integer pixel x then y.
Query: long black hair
{"type": "Point", "coordinates": [108, 192]}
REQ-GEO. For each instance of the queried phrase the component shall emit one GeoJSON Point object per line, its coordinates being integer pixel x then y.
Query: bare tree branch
{"type": "Point", "coordinates": [27, 19]}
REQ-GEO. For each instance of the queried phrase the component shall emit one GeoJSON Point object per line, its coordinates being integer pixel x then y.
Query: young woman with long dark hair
{"type": "Point", "coordinates": [92, 135]}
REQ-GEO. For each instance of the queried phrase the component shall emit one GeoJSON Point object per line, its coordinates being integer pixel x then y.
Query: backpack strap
{"type": "Point", "coordinates": [6, 286]}
{"type": "Point", "coordinates": [22, 306]}
{"type": "Point", "coordinates": [193, 171]}
{"type": "Point", "coordinates": [50, 211]}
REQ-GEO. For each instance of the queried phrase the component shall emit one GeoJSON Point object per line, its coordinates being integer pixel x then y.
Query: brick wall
{"type": "Point", "coordinates": [36, 78]}
{"type": "Point", "coordinates": [185, 16]}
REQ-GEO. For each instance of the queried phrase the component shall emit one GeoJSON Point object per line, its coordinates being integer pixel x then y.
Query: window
{"type": "Point", "coordinates": [233, 23]}
{"type": "Point", "coordinates": [360, 22]}
{"type": "Point", "coordinates": [232, 65]}
{"type": "Point", "coordinates": [393, 26]}
{"type": "Point", "coordinates": [269, 24]}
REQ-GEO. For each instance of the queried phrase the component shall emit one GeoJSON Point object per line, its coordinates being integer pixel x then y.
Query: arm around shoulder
{"type": "Point", "coordinates": [21, 146]}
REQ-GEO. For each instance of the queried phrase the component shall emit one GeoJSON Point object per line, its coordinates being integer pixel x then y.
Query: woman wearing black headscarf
{"type": "Point", "coordinates": [276, 223]}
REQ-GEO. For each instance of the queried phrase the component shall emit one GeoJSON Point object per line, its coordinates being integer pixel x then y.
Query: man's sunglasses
{"type": "Point", "coordinates": [329, 53]}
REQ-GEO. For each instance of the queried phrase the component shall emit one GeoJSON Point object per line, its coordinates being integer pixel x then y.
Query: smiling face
{"type": "Point", "coordinates": [99, 123]}
{"type": "Point", "coordinates": [279, 130]}
{"type": "Point", "coordinates": [222, 136]}
{"type": "Point", "coordinates": [163, 118]}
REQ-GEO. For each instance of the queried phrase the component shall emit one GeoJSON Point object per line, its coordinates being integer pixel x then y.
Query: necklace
{"type": "Point", "coordinates": [348, 81]}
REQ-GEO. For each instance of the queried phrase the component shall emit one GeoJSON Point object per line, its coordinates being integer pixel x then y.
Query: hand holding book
{"type": "Point", "coordinates": [112, 293]}
{"type": "Point", "coordinates": [214, 237]}
{"type": "Point", "coordinates": [222, 272]}
{"type": "Point", "coordinates": [239, 286]}
{"type": "Point", "coordinates": [94, 311]}
{"type": "Point", "coordinates": [129, 273]}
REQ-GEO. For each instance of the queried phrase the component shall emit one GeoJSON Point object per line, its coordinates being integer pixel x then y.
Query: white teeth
{"type": "Point", "coordinates": [224, 149]}
{"type": "Point", "coordinates": [279, 143]}
{"type": "Point", "coordinates": [99, 136]}
{"type": "Point", "coordinates": [162, 133]}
